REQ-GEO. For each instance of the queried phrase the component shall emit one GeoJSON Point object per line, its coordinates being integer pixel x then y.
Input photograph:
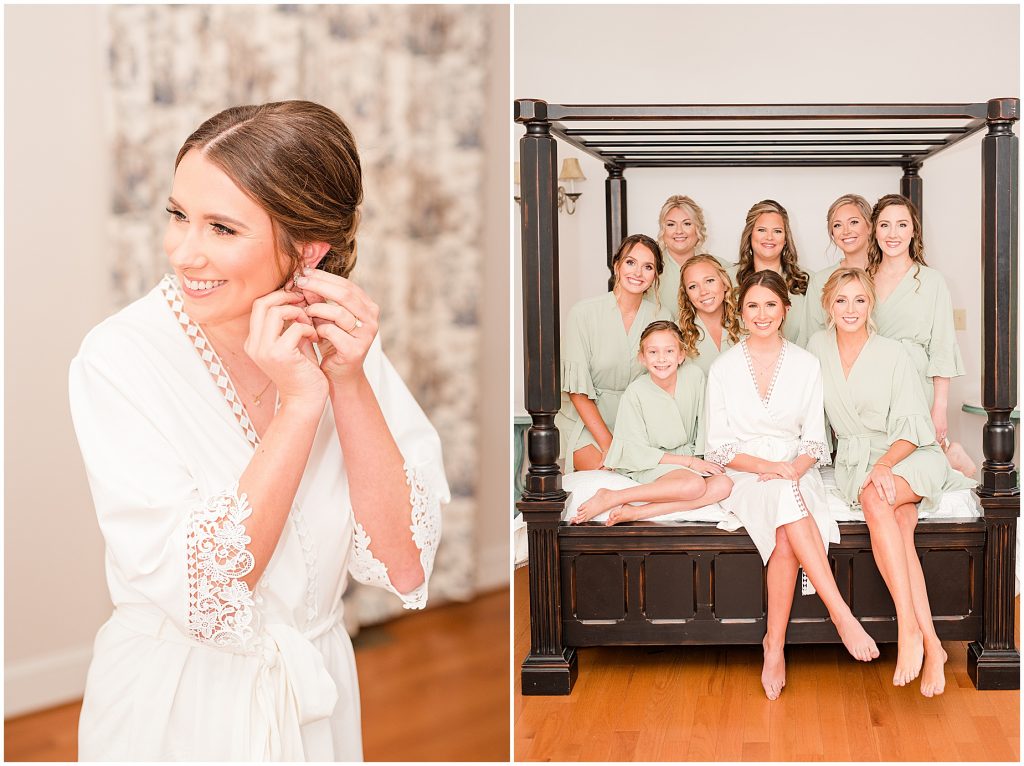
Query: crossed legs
{"type": "Point", "coordinates": [679, 490]}
{"type": "Point", "coordinates": [892, 544]}
{"type": "Point", "coordinates": [799, 544]}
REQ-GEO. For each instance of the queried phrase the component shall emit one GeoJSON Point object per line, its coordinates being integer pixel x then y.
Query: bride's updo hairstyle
{"type": "Point", "coordinates": [298, 161]}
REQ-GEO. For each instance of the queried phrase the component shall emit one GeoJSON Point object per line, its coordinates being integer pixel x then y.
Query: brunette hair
{"type": "Point", "coordinates": [916, 244]}
{"type": "Point", "coordinates": [663, 324]}
{"type": "Point", "coordinates": [684, 202]}
{"type": "Point", "coordinates": [298, 161]}
{"type": "Point", "coordinates": [795, 277]}
{"type": "Point", "coordinates": [836, 282]}
{"type": "Point", "coordinates": [659, 260]}
{"type": "Point", "coordinates": [688, 313]}
{"type": "Point", "coordinates": [765, 278]}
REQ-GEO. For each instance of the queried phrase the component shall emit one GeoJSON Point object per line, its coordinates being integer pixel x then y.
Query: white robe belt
{"type": "Point", "coordinates": [293, 687]}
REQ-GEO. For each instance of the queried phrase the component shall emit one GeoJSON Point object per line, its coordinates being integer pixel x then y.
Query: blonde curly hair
{"type": "Point", "coordinates": [688, 312]}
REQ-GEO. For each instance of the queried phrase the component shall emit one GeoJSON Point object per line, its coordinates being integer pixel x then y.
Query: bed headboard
{"type": "Point", "coordinates": [626, 136]}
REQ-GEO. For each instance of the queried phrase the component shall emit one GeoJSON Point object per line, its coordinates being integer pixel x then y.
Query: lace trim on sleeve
{"type": "Point", "coordinates": [818, 450]}
{"type": "Point", "coordinates": [220, 609]}
{"type": "Point", "coordinates": [722, 455]}
{"type": "Point", "coordinates": [426, 532]}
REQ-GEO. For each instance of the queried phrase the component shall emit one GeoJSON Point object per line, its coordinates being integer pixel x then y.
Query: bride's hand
{"type": "Point", "coordinates": [280, 342]}
{"type": "Point", "coordinates": [345, 319]}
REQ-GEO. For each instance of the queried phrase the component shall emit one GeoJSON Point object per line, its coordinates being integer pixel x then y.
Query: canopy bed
{"type": "Point", "coordinates": [682, 582]}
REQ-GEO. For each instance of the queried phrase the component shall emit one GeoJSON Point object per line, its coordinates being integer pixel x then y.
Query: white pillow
{"type": "Point", "coordinates": [584, 484]}
{"type": "Point", "coordinates": [958, 504]}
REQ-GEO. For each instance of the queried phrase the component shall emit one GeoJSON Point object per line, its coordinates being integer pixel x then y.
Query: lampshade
{"type": "Point", "coordinates": [571, 170]}
{"type": "Point", "coordinates": [515, 173]}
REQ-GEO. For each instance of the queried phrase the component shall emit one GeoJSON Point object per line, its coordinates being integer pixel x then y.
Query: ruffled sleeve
{"type": "Point", "coordinates": [424, 475]}
{"type": "Point", "coordinates": [176, 549]}
{"type": "Point", "coordinates": [576, 355]}
{"type": "Point", "coordinates": [631, 448]}
{"type": "Point", "coordinates": [908, 418]}
{"type": "Point", "coordinates": [944, 359]}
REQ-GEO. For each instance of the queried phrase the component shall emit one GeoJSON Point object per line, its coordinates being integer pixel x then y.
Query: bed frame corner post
{"type": "Point", "coordinates": [912, 187]}
{"type": "Point", "coordinates": [549, 668]}
{"type": "Point", "coordinates": [614, 214]}
{"type": "Point", "coordinates": [994, 662]}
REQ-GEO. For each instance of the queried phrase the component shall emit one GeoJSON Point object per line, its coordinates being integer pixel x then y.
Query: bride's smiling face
{"type": "Point", "coordinates": [763, 311]}
{"type": "Point", "coordinates": [219, 242]}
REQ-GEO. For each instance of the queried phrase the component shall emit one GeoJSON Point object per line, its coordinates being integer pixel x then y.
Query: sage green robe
{"type": "Point", "coordinates": [599, 359]}
{"type": "Point", "coordinates": [706, 348]}
{"type": "Point", "coordinates": [919, 314]}
{"type": "Point", "coordinates": [881, 402]}
{"type": "Point", "coordinates": [651, 423]}
{"type": "Point", "coordinates": [814, 315]}
{"type": "Point", "coordinates": [668, 286]}
{"type": "Point", "coordinates": [792, 328]}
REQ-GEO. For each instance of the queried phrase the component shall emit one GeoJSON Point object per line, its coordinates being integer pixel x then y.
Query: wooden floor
{"type": "Point", "coordinates": [434, 687]}
{"type": "Point", "coordinates": [706, 704]}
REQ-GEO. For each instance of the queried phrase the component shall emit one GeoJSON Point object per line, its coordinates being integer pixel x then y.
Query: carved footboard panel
{"type": "Point", "coordinates": [691, 583]}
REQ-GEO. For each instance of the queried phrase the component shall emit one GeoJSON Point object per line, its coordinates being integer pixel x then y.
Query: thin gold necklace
{"type": "Point", "coordinates": [257, 399]}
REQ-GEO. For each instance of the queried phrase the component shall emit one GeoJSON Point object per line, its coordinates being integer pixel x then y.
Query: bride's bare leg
{"type": "Point", "coordinates": [933, 677]}
{"type": "Point", "coordinates": [718, 488]}
{"type": "Point", "coordinates": [889, 550]}
{"type": "Point", "coordinates": [675, 485]}
{"type": "Point", "coordinates": [810, 552]}
{"type": "Point", "coordinates": [781, 578]}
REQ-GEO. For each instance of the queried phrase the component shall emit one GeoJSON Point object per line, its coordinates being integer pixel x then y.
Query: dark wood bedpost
{"type": "Point", "coordinates": [911, 187]}
{"type": "Point", "coordinates": [994, 662]}
{"type": "Point", "coordinates": [550, 668]}
{"type": "Point", "coordinates": [614, 214]}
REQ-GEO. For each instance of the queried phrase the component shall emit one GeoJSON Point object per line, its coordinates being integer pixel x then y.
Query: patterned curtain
{"type": "Point", "coordinates": [409, 83]}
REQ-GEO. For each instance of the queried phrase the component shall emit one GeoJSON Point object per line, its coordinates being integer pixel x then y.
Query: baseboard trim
{"type": "Point", "coordinates": [42, 682]}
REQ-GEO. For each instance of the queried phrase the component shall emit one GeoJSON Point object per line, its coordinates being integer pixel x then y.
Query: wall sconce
{"type": "Point", "coordinates": [572, 173]}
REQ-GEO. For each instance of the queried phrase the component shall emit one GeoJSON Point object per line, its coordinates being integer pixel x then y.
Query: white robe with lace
{"type": "Point", "coordinates": [191, 665]}
{"type": "Point", "coordinates": [789, 421]}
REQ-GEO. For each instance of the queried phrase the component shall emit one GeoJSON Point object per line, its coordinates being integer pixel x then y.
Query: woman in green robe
{"type": "Point", "coordinates": [681, 235]}
{"type": "Point", "coordinates": [915, 308]}
{"type": "Point", "coordinates": [886, 461]}
{"type": "Point", "coordinates": [658, 433]}
{"type": "Point", "coordinates": [849, 227]}
{"type": "Point", "coordinates": [599, 353]}
{"type": "Point", "coordinates": [767, 243]}
{"type": "Point", "coordinates": [708, 317]}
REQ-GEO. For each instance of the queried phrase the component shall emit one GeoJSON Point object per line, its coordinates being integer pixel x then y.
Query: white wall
{"type": "Point", "coordinates": [55, 594]}
{"type": "Point", "coordinates": [775, 54]}
{"type": "Point", "coordinates": [57, 190]}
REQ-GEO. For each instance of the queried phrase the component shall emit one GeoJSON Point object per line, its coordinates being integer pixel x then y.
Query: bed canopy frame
{"type": "Point", "coordinates": [688, 582]}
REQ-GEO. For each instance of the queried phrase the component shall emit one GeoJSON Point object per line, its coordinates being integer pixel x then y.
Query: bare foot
{"type": "Point", "coordinates": [933, 677]}
{"type": "Point", "coordinates": [773, 676]}
{"type": "Point", "coordinates": [960, 460]}
{"type": "Point", "coordinates": [856, 639]}
{"type": "Point", "coordinates": [595, 506]}
{"type": "Point", "coordinates": [619, 514]}
{"type": "Point", "coordinates": [908, 659]}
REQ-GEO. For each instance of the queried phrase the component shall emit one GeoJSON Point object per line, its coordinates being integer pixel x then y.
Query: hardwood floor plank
{"type": "Point", "coordinates": [707, 703]}
{"type": "Point", "coordinates": [422, 677]}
